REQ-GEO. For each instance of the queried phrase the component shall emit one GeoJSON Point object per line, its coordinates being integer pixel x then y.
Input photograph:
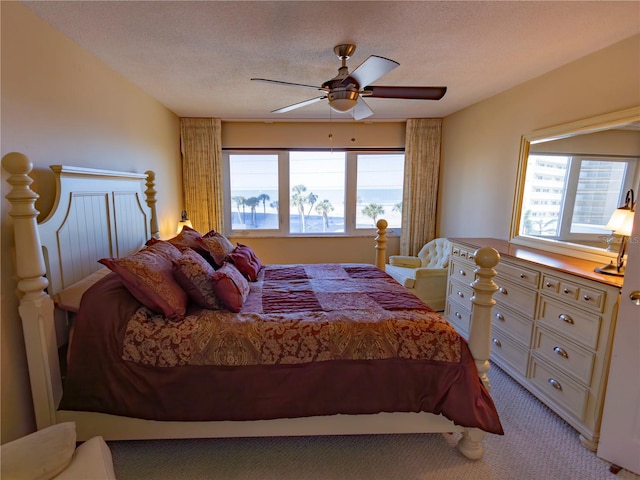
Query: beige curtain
{"type": "Point", "coordinates": [422, 167]}
{"type": "Point", "coordinates": [201, 146]}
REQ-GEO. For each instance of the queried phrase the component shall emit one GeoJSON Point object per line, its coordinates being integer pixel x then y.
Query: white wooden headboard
{"type": "Point", "coordinates": [96, 214]}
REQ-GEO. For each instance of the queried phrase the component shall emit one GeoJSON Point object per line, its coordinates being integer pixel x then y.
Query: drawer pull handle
{"type": "Point", "coordinates": [555, 384]}
{"type": "Point", "coordinates": [566, 318]}
{"type": "Point", "coordinates": [460, 294]}
{"type": "Point", "coordinates": [458, 315]}
{"type": "Point", "coordinates": [500, 317]}
{"type": "Point", "coordinates": [471, 257]}
{"type": "Point", "coordinates": [587, 298]}
{"type": "Point", "coordinates": [463, 273]}
{"type": "Point", "coordinates": [561, 351]}
{"type": "Point", "coordinates": [522, 275]}
{"type": "Point", "coordinates": [496, 342]}
{"type": "Point", "coordinates": [502, 290]}
{"type": "Point", "coordinates": [548, 285]}
{"type": "Point", "coordinates": [566, 290]}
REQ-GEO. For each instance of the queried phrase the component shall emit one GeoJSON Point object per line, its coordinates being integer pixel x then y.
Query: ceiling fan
{"type": "Point", "coordinates": [345, 90]}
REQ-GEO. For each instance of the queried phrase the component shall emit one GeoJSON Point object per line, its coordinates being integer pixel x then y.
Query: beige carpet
{"type": "Point", "coordinates": [537, 445]}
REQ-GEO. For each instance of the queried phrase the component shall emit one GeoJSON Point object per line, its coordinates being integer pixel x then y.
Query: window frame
{"type": "Point", "coordinates": [284, 188]}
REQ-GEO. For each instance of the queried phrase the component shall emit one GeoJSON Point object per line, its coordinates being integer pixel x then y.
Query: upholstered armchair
{"type": "Point", "coordinates": [425, 274]}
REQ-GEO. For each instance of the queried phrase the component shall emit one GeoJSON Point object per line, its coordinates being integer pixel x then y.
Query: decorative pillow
{"type": "Point", "coordinates": [148, 275]}
{"type": "Point", "coordinates": [244, 261]}
{"type": "Point", "coordinates": [218, 247]}
{"type": "Point", "coordinates": [231, 287]}
{"type": "Point", "coordinates": [254, 257]}
{"type": "Point", "coordinates": [187, 239]}
{"type": "Point", "coordinates": [194, 273]}
{"type": "Point", "coordinates": [40, 455]}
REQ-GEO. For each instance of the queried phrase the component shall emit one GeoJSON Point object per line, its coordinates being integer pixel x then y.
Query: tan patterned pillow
{"type": "Point", "coordinates": [194, 273]}
{"type": "Point", "coordinates": [218, 247]}
{"type": "Point", "coordinates": [148, 275]}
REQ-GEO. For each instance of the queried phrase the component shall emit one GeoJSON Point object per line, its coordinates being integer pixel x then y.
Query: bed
{"type": "Point", "coordinates": [312, 349]}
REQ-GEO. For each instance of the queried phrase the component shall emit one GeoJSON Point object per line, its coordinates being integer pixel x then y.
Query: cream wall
{"type": "Point", "coordinates": [60, 105]}
{"type": "Point", "coordinates": [481, 143]}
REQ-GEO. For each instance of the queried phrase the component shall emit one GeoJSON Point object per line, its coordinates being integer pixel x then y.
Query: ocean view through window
{"type": "Point", "coordinates": [283, 193]}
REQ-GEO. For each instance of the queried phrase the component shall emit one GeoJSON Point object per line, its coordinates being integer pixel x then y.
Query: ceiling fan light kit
{"type": "Point", "coordinates": [343, 101]}
{"type": "Point", "coordinates": [345, 91]}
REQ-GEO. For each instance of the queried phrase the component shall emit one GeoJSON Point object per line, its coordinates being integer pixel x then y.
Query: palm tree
{"type": "Point", "coordinates": [299, 200]}
{"type": "Point", "coordinates": [397, 207]}
{"type": "Point", "coordinates": [373, 210]}
{"type": "Point", "coordinates": [252, 203]}
{"type": "Point", "coordinates": [240, 202]}
{"type": "Point", "coordinates": [263, 197]}
{"type": "Point", "coordinates": [323, 208]}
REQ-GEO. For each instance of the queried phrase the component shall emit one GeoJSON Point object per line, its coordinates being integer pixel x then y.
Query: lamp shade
{"type": "Point", "coordinates": [618, 217]}
{"type": "Point", "coordinates": [184, 222]}
{"type": "Point", "coordinates": [626, 225]}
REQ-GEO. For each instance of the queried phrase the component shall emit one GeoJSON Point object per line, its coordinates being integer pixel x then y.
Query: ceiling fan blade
{"type": "Point", "coordinates": [288, 84]}
{"type": "Point", "coordinates": [412, 93]}
{"type": "Point", "coordinates": [361, 110]}
{"type": "Point", "coordinates": [372, 69]}
{"type": "Point", "coordinates": [299, 104]}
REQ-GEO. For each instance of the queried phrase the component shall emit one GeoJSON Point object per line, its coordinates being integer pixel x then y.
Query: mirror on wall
{"type": "Point", "coordinates": [570, 180]}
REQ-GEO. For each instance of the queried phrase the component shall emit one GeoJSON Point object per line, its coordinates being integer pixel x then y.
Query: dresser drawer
{"type": "Point", "coordinates": [503, 349]}
{"type": "Point", "coordinates": [571, 322]}
{"type": "Point", "coordinates": [463, 252]}
{"type": "Point", "coordinates": [564, 355]}
{"type": "Point", "coordinates": [590, 298]}
{"type": "Point", "coordinates": [558, 388]}
{"type": "Point", "coordinates": [462, 271]}
{"type": "Point", "coordinates": [514, 324]}
{"type": "Point", "coordinates": [518, 274]}
{"type": "Point", "coordinates": [459, 317]}
{"type": "Point", "coordinates": [516, 297]}
{"type": "Point", "coordinates": [460, 293]}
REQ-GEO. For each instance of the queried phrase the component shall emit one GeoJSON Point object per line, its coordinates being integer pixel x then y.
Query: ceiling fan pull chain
{"type": "Point", "coordinates": [330, 132]}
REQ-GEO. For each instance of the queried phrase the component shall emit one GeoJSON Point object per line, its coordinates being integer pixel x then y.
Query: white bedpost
{"type": "Point", "coordinates": [483, 289]}
{"type": "Point", "coordinates": [381, 243]}
{"type": "Point", "coordinates": [150, 194]}
{"type": "Point", "coordinates": [470, 445]}
{"type": "Point", "coordinates": [36, 307]}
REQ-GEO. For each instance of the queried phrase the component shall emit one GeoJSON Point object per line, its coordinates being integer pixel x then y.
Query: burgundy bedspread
{"type": "Point", "coordinates": [310, 340]}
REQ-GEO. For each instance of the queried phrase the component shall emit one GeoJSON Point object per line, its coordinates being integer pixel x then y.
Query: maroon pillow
{"type": "Point", "coordinates": [241, 258]}
{"type": "Point", "coordinates": [194, 274]}
{"type": "Point", "coordinates": [254, 257]}
{"type": "Point", "coordinates": [218, 247]}
{"type": "Point", "coordinates": [148, 275]}
{"type": "Point", "coordinates": [187, 239]}
{"type": "Point", "coordinates": [231, 287]}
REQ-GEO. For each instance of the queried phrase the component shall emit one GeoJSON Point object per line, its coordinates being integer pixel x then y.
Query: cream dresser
{"type": "Point", "coordinates": [552, 326]}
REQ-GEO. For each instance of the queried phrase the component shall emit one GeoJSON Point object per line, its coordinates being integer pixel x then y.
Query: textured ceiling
{"type": "Point", "coordinates": [197, 58]}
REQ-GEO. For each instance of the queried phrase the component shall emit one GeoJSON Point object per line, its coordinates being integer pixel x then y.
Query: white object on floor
{"type": "Point", "coordinates": [51, 453]}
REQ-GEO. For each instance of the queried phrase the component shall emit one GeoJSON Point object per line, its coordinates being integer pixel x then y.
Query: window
{"type": "Point", "coordinates": [571, 197]}
{"type": "Point", "coordinates": [312, 192]}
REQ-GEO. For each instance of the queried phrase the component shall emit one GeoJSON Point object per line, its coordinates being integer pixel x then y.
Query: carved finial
{"type": "Point", "coordinates": [150, 193]}
{"type": "Point", "coordinates": [382, 224]}
{"type": "Point", "coordinates": [17, 163]}
{"type": "Point", "coordinates": [487, 257]}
